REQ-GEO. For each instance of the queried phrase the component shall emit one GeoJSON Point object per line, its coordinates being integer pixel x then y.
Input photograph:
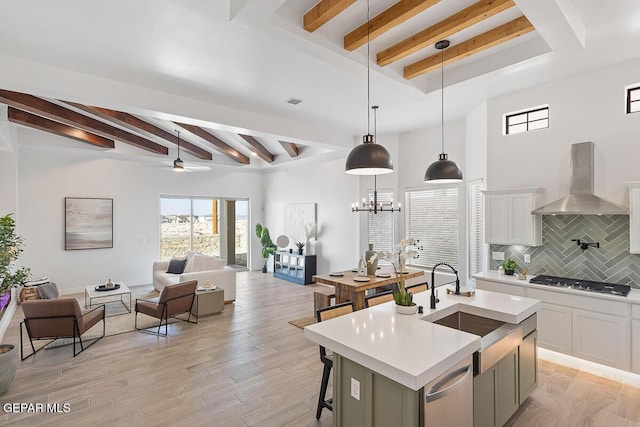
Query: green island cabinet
{"type": "Point", "coordinates": [497, 393]}
{"type": "Point", "coordinates": [500, 390]}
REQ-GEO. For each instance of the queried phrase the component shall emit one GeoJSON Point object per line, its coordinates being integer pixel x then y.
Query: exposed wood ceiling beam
{"type": "Point", "coordinates": [291, 148]}
{"type": "Point", "coordinates": [55, 112]}
{"type": "Point", "coordinates": [457, 22]}
{"type": "Point", "coordinates": [31, 120]}
{"type": "Point", "coordinates": [393, 16]}
{"type": "Point", "coordinates": [132, 122]}
{"type": "Point", "coordinates": [260, 150]}
{"type": "Point", "coordinates": [323, 12]}
{"type": "Point", "coordinates": [222, 146]}
{"type": "Point", "coordinates": [476, 44]}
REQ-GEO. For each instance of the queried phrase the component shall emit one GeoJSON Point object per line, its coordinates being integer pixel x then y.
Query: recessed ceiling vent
{"type": "Point", "coordinates": [293, 101]}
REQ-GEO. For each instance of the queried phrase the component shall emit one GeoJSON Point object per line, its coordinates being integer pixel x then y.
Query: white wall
{"type": "Point", "coordinates": [585, 107]}
{"type": "Point", "coordinates": [47, 175]}
{"type": "Point", "coordinates": [325, 183]}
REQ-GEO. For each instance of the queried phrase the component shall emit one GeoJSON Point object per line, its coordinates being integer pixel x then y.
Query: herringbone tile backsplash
{"type": "Point", "coordinates": [559, 256]}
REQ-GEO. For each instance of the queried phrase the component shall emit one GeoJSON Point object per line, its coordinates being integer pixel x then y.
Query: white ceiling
{"type": "Point", "coordinates": [249, 56]}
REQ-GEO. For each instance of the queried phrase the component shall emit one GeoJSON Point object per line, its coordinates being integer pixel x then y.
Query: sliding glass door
{"type": "Point", "coordinates": [218, 227]}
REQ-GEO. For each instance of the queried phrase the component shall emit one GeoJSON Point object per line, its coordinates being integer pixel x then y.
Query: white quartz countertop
{"type": "Point", "coordinates": [408, 348]}
{"type": "Point", "coordinates": [493, 276]}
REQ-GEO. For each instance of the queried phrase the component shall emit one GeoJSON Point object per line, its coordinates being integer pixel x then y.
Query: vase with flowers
{"type": "Point", "coordinates": [402, 252]}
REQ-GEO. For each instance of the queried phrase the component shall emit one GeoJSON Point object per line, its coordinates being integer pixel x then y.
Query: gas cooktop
{"type": "Point", "coordinates": [583, 285]}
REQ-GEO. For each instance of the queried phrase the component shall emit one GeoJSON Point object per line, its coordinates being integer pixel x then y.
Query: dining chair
{"type": "Point", "coordinates": [420, 287]}
{"type": "Point", "coordinates": [323, 314]}
{"type": "Point", "coordinates": [378, 298]}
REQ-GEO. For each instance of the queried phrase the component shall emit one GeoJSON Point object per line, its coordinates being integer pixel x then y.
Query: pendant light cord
{"type": "Point", "coordinates": [368, 72]}
{"type": "Point", "coordinates": [178, 132]}
{"type": "Point", "coordinates": [442, 96]}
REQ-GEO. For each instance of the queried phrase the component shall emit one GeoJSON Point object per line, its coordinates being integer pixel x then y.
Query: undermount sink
{"type": "Point", "coordinates": [497, 338]}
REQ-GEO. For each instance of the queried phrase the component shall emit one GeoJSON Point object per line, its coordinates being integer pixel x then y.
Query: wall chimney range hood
{"type": "Point", "coordinates": [581, 200]}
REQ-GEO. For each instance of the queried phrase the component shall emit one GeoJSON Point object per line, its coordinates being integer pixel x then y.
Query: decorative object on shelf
{"type": "Point", "coordinates": [371, 258]}
{"type": "Point", "coordinates": [373, 205]}
{"type": "Point", "coordinates": [10, 248]}
{"type": "Point", "coordinates": [310, 231]}
{"type": "Point", "coordinates": [268, 247]}
{"type": "Point", "coordinates": [402, 252]}
{"type": "Point", "coordinates": [368, 158]}
{"type": "Point", "coordinates": [434, 296]}
{"type": "Point", "coordinates": [110, 284]}
{"type": "Point", "coordinates": [282, 241]}
{"type": "Point", "coordinates": [88, 223]}
{"type": "Point", "coordinates": [8, 366]}
{"type": "Point", "coordinates": [509, 266]}
{"type": "Point", "coordinates": [442, 170]}
{"type": "Point", "coordinates": [178, 164]}
{"type": "Point", "coordinates": [300, 246]}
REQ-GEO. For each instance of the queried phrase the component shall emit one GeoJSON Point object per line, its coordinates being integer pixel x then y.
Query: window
{"type": "Point", "coordinates": [383, 225]}
{"type": "Point", "coordinates": [633, 100]}
{"type": "Point", "coordinates": [476, 220]}
{"type": "Point", "coordinates": [189, 224]}
{"type": "Point", "coordinates": [525, 121]}
{"type": "Point", "coordinates": [432, 218]}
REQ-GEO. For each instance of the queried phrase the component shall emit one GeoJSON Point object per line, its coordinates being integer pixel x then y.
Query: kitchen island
{"type": "Point", "coordinates": [384, 360]}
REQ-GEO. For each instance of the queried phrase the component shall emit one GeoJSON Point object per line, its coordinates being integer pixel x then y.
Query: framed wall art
{"type": "Point", "coordinates": [88, 223]}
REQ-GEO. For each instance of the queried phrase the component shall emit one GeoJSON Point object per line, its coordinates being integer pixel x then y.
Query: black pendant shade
{"type": "Point", "coordinates": [443, 171]}
{"type": "Point", "coordinates": [369, 158]}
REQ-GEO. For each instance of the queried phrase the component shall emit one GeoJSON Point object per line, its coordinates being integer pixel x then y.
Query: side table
{"type": "Point", "coordinates": [208, 301]}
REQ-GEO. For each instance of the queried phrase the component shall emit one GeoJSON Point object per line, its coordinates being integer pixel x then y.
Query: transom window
{"type": "Point", "coordinates": [633, 100]}
{"type": "Point", "coordinates": [525, 121]}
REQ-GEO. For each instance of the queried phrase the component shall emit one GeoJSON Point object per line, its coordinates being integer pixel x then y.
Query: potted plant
{"type": "Point", "coordinates": [268, 247]}
{"type": "Point", "coordinates": [300, 245]}
{"type": "Point", "coordinates": [10, 277]}
{"type": "Point", "coordinates": [402, 252]}
{"type": "Point", "coordinates": [509, 266]}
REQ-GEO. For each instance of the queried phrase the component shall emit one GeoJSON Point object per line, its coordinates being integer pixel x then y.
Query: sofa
{"type": "Point", "coordinates": [202, 268]}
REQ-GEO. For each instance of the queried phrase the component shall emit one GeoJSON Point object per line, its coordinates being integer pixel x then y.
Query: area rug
{"type": "Point", "coordinates": [305, 321]}
{"type": "Point", "coordinates": [119, 320]}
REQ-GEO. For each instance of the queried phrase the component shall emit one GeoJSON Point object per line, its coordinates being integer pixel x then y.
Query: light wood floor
{"type": "Point", "coordinates": [248, 366]}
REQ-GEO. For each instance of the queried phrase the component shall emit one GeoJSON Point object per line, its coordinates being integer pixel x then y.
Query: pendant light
{"type": "Point", "coordinates": [178, 164]}
{"type": "Point", "coordinates": [443, 170]}
{"type": "Point", "coordinates": [368, 158]}
{"type": "Point", "coordinates": [373, 206]}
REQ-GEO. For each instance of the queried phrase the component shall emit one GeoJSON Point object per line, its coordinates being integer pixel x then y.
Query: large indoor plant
{"type": "Point", "coordinates": [268, 247]}
{"type": "Point", "coordinates": [402, 252]}
{"type": "Point", "coordinates": [10, 277]}
{"type": "Point", "coordinates": [10, 247]}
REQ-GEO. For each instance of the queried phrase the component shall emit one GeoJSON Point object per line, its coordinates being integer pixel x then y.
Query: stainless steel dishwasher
{"type": "Point", "coordinates": [449, 398]}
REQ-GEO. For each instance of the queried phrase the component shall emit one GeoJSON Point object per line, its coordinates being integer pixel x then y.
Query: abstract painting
{"type": "Point", "coordinates": [88, 223]}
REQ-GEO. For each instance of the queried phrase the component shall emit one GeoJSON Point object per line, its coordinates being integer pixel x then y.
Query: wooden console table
{"type": "Point", "coordinates": [348, 289]}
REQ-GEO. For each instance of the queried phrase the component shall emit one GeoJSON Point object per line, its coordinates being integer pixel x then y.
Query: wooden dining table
{"type": "Point", "coordinates": [349, 289]}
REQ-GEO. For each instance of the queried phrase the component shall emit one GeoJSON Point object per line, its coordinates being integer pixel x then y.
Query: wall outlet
{"type": "Point", "coordinates": [498, 256]}
{"type": "Point", "coordinates": [355, 389]}
{"type": "Point", "coordinates": [527, 258]}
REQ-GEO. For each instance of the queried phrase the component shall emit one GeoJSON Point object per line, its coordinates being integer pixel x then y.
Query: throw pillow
{"type": "Point", "coordinates": [206, 263]}
{"type": "Point", "coordinates": [189, 267]}
{"type": "Point", "coordinates": [176, 265]}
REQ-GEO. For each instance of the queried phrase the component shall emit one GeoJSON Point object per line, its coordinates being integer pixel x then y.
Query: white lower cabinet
{"type": "Point", "coordinates": [554, 327]}
{"type": "Point", "coordinates": [601, 338]}
{"type": "Point", "coordinates": [635, 353]}
{"type": "Point", "coordinates": [502, 288]}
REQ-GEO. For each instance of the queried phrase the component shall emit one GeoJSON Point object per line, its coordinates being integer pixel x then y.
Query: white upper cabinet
{"type": "Point", "coordinates": [634, 217]}
{"type": "Point", "coordinates": [508, 218]}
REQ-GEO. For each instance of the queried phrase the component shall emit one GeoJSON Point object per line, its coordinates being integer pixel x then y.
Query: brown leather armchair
{"type": "Point", "coordinates": [173, 300]}
{"type": "Point", "coordinates": [50, 319]}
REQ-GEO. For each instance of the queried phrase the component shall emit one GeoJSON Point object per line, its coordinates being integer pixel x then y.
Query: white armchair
{"type": "Point", "coordinates": [223, 277]}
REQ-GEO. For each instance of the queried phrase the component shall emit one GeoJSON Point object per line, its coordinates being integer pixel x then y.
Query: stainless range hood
{"type": "Point", "coordinates": [581, 200]}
